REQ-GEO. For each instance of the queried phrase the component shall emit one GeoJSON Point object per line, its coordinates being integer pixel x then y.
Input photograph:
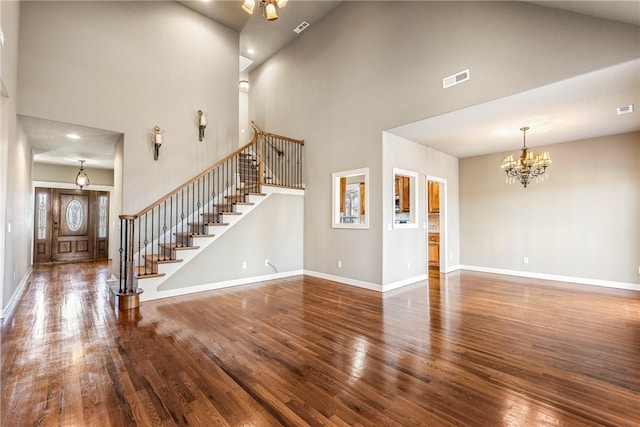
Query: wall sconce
{"type": "Point", "coordinates": [202, 123]}
{"type": "Point", "coordinates": [157, 142]}
{"type": "Point", "coordinates": [82, 179]}
{"type": "Point", "coordinates": [244, 85]}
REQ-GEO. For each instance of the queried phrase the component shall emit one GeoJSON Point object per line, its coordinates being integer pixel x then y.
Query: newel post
{"type": "Point", "coordinates": [128, 295]}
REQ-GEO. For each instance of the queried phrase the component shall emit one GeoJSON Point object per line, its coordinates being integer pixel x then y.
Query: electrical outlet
{"type": "Point", "coordinates": [266, 263]}
{"type": "Point", "coordinates": [525, 260]}
{"type": "Point", "coordinates": [244, 265]}
{"type": "Point", "coordinates": [408, 265]}
{"type": "Point", "coordinates": [339, 264]}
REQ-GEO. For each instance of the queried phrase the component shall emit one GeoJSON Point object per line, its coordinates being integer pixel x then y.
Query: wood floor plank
{"type": "Point", "coordinates": [463, 349]}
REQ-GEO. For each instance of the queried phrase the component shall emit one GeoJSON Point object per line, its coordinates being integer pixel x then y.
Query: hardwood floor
{"type": "Point", "coordinates": [468, 349]}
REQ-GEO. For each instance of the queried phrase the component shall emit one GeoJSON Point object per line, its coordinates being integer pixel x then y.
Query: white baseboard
{"type": "Point", "coordinates": [345, 280]}
{"type": "Point", "coordinates": [555, 277]}
{"type": "Point", "coordinates": [16, 295]}
{"type": "Point", "coordinates": [367, 285]}
{"type": "Point", "coordinates": [405, 282]}
{"type": "Point", "coordinates": [153, 294]}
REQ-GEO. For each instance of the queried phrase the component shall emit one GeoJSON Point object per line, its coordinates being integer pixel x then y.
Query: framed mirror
{"type": "Point", "coordinates": [350, 205]}
{"type": "Point", "coordinates": [405, 199]}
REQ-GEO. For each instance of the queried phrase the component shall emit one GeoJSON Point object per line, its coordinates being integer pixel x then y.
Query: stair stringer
{"type": "Point", "coordinates": [150, 285]}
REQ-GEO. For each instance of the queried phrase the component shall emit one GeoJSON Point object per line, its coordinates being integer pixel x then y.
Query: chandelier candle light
{"type": "Point", "coordinates": [527, 168]}
{"type": "Point", "coordinates": [269, 7]}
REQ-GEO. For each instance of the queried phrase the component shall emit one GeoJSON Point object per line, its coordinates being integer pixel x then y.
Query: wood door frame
{"type": "Point", "coordinates": [70, 186]}
{"type": "Point", "coordinates": [444, 258]}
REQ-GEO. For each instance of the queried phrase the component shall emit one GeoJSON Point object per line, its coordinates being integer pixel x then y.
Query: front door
{"type": "Point", "coordinates": [70, 225]}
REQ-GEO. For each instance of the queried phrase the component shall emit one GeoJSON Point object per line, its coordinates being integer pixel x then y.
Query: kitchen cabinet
{"type": "Point", "coordinates": [434, 250]}
{"type": "Point", "coordinates": [434, 197]}
{"type": "Point", "coordinates": [403, 193]}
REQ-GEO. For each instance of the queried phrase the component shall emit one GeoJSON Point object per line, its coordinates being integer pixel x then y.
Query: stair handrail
{"type": "Point", "coordinates": [274, 135]}
{"type": "Point", "coordinates": [148, 233]}
{"type": "Point", "coordinates": [192, 180]}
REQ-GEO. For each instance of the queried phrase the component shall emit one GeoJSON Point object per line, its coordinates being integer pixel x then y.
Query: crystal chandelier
{"type": "Point", "coordinates": [269, 7]}
{"type": "Point", "coordinates": [527, 168]}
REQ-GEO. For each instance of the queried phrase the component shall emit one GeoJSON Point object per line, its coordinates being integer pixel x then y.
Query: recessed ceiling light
{"type": "Point", "coordinates": [73, 136]}
{"type": "Point", "coordinates": [251, 51]}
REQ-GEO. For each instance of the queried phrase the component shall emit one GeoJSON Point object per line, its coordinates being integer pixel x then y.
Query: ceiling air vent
{"type": "Point", "coordinates": [625, 109]}
{"type": "Point", "coordinates": [300, 28]}
{"type": "Point", "coordinates": [453, 80]}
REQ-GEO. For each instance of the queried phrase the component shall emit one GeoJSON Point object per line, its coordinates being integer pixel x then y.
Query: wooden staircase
{"type": "Point", "coordinates": [187, 245]}
{"type": "Point", "coordinates": [157, 241]}
{"type": "Point", "coordinates": [235, 205]}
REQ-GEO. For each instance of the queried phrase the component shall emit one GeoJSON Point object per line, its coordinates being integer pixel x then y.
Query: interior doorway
{"type": "Point", "coordinates": [436, 224]}
{"type": "Point", "coordinates": [70, 225]}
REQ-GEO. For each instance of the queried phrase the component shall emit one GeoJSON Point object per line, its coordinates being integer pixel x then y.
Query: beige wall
{"type": "Point", "coordinates": [16, 204]}
{"type": "Point", "coordinates": [372, 66]}
{"type": "Point", "coordinates": [122, 66]}
{"type": "Point", "coordinates": [582, 222]}
{"type": "Point", "coordinates": [404, 249]}
{"type": "Point", "coordinates": [67, 174]}
{"type": "Point", "coordinates": [126, 67]}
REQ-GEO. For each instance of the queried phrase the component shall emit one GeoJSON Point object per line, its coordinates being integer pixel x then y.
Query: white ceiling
{"type": "Point", "coordinates": [579, 108]}
{"type": "Point", "coordinates": [259, 38]}
{"type": "Point", "coordinates": [50, 143]}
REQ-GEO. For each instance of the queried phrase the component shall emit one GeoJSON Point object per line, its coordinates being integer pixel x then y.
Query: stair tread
{"type": "Point", "coordinates": [191, 234]}
{"type": "Point", "coordinates": [207, 223]}
{"type": "Point", "coordinates": [230, 213]}
{"type": "Point", "coordinates": [174, 247]}
{"type": "Point", "coordinates": [140, 273]}
{"type": "Point", "coordinates": [245, 194]}
{"type": "Point", "coordinates": [237, 202]}
{"type": "Point", "coordinates": [160, 260]}
{"type": "Point", "coordinates": [149, 276]}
